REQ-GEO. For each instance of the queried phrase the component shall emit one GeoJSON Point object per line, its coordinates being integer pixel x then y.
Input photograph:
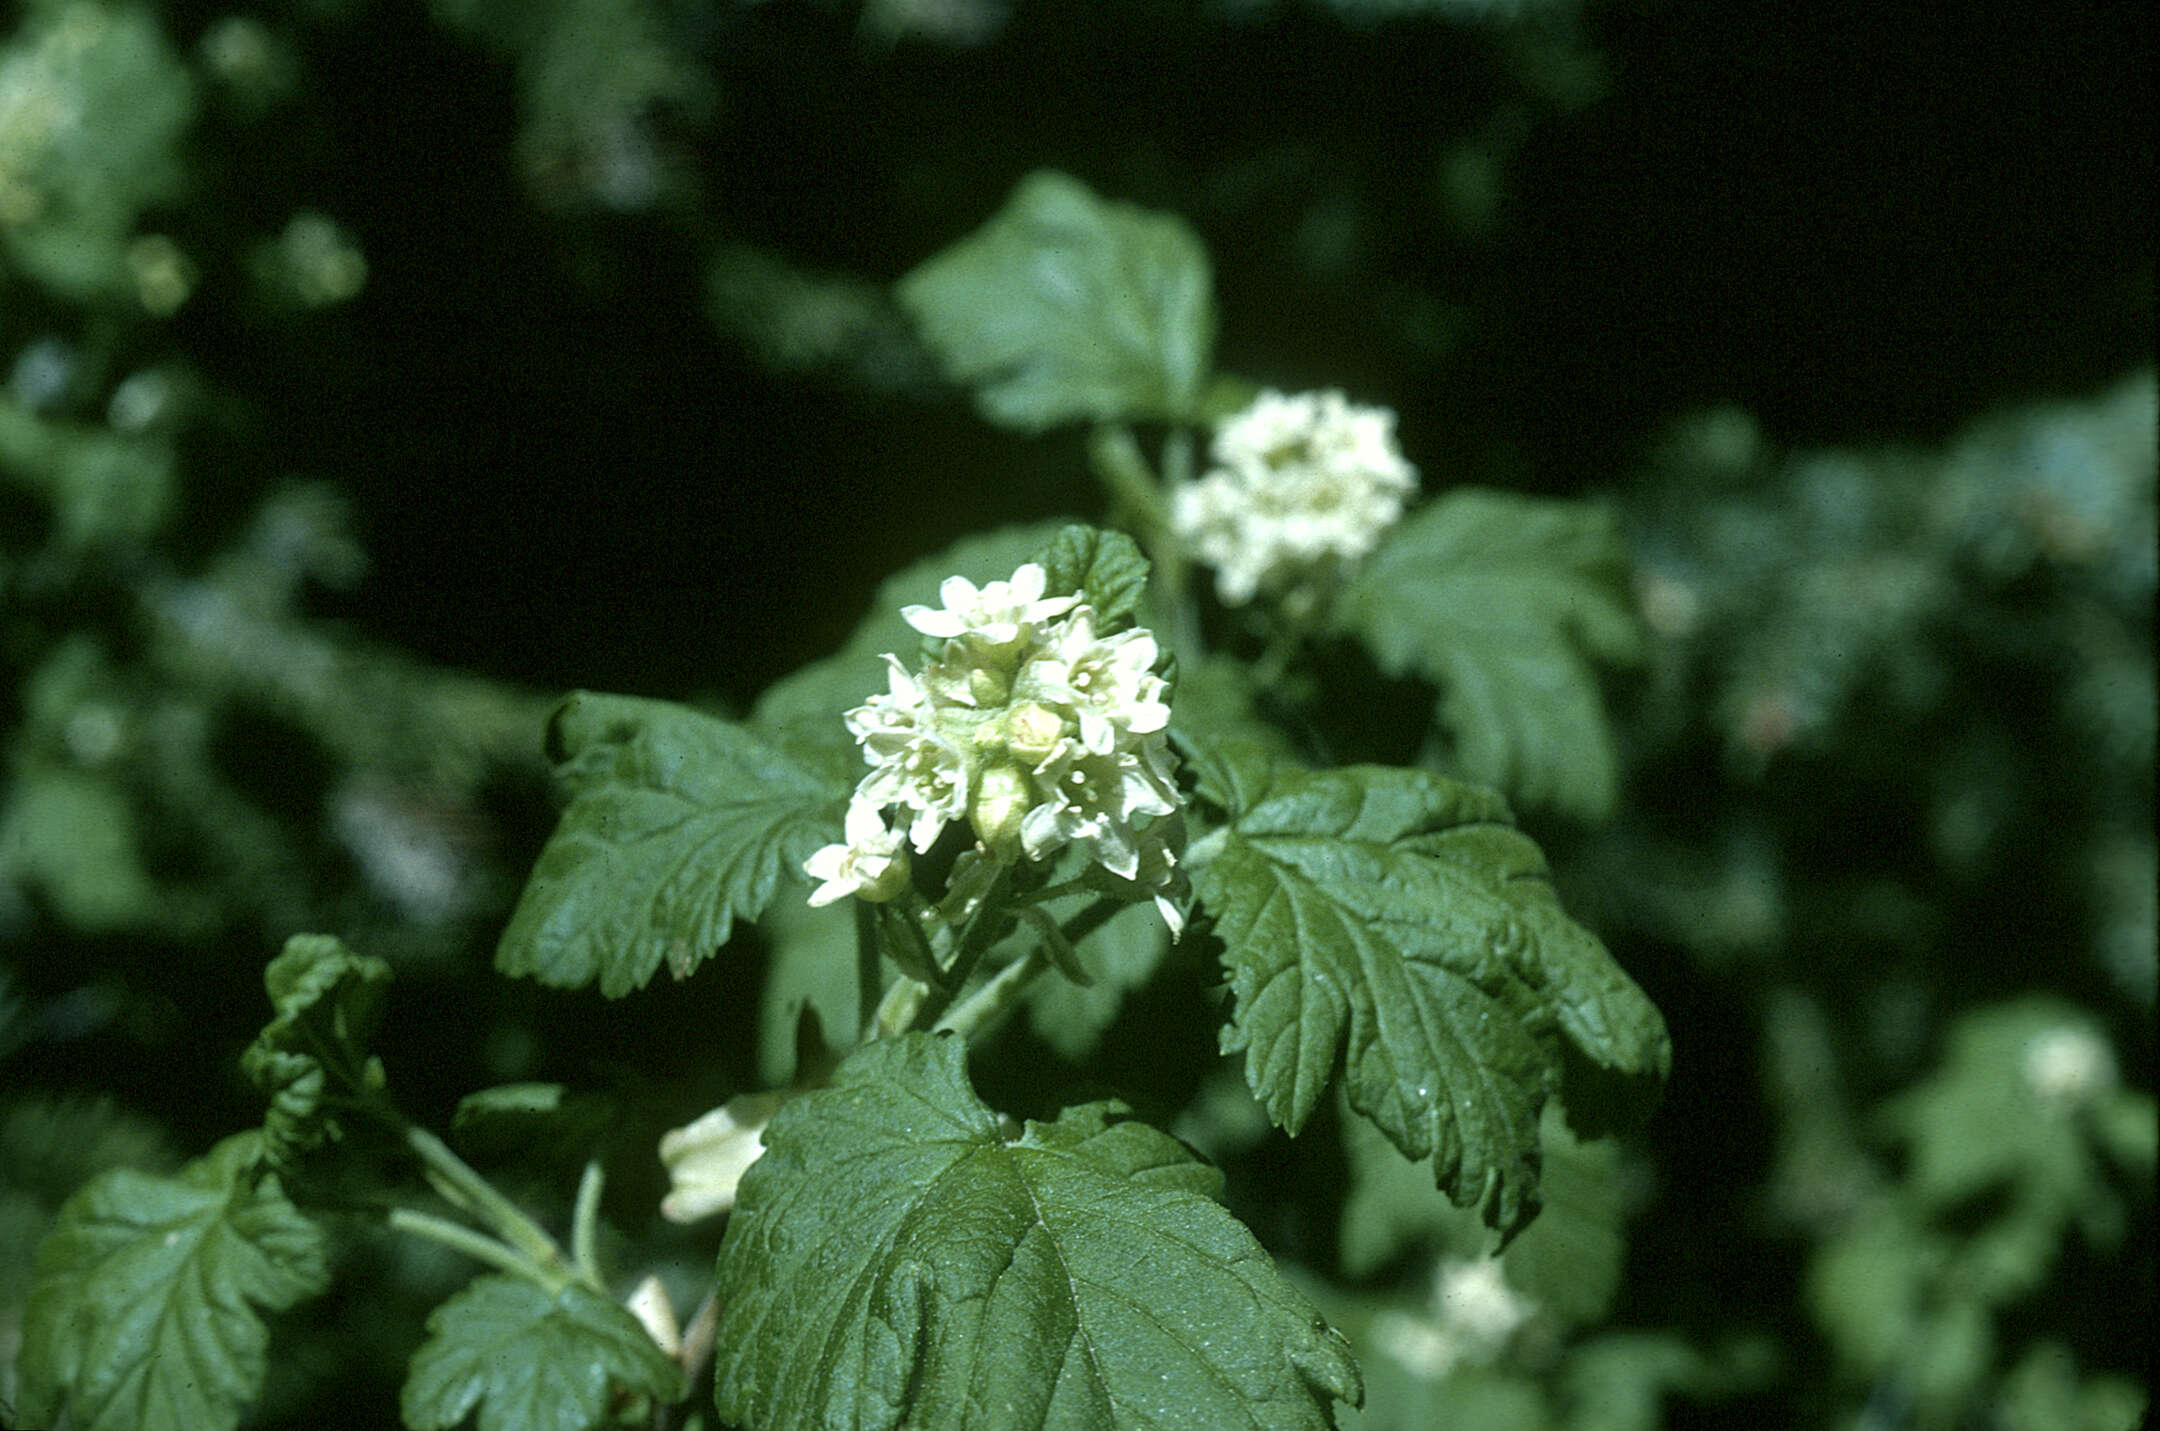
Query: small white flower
{"type": "Point", "coordinates": [1108, 682]}
{"type": "Point", "coordinates": [1094, 799]}
{"type": "Point", "coordinates": [1300, 482]}
{"type": "Point", "coordinates": [1475, 1297]}
{"type": "Point", "coordinates": [997, 615]}
{"type": "Point", "coordinates": [872, 863]}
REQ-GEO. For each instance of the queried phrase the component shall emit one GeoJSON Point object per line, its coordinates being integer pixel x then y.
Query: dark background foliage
{"type": "Point", "coordinates": [570, 465]}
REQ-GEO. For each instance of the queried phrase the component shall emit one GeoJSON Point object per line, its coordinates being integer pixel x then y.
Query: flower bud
{"type": "Point", "coordinates": [1003, 796]}
{"type": "Point", "coordinates": [990, 686]}
{"type": "Point", "coordinates": [1032, 731]}
{"type": "Point", "coordinates": [656, 1314]}
{"type": "Point", "coordinates": [706, 1159]}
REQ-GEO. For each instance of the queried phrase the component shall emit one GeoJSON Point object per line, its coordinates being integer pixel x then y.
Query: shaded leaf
{"type": "Point", "coordinates": [535, 1121]}
{"type": "Point", "coordinates": [1121, 956]}
{"type": "Point", "coordinates": [678, 824]}
{"type": "Point", "coordinates": [812, 967]}
{"type": "Point", "coordinates": [531, 1360]}
{"type": "Point", "coordinates": [146, 1310]}
{"type": "Point", "coordinates": [2046, 1393]}
{"type": "Point", "coordinates": [1066, 307]}
{"type": "Point", "coordinates": [1395, 924]}
{"type": "Point", "coordinates": [1505, 602]}
{"type": "Point", "coordinates": [897, 1259]}
{"type": "Point", "coordinates": [328, 1001]}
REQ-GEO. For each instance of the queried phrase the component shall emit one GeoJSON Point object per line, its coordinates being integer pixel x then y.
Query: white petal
{"type": "Point", "coordinates": [932, 622]}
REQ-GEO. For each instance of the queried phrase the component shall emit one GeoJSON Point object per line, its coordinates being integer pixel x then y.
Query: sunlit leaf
{"type": "Point", "coordinates": [1067, 307]}
{"type": "Point", "coordinates": [899, 1258]}
{"type": "Point", "coordinates": [679, 823]}
{"type": "Point", "coordinates": [1395, 925]}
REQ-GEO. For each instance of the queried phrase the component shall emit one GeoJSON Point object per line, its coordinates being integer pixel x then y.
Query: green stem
{"type": "Point", "coordinates": [585, 1225]}
{"type": "Point", "coordinates": [1002, 992]}
{"type": "Point", "coordinates": [867, 968]}
{"type": "Point", "coordinates": [476, 1245]}
{"type": "Point", "coordinates": [982, 931]}
{"type": "Point", "coordinates": [455, 1179]}
{"type": "Point", "coordinates": [1088, 920]}
{"type": "Point", "coordinates": [1141, 498]}
{"type": "Point", "coordinates": [1274, 662]}
{"type": "Point", "coordinates": [1133, 488]}
{"type": "Point", "coordinates": [998, 996]}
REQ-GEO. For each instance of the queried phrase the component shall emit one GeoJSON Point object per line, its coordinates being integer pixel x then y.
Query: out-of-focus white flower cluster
{"type": "Point", "coordinates": [1032, 726]}
{"type": "Point", "coordinates": [1300, 482]}
{"type": "Point", "coordinates": [1472, 1315]}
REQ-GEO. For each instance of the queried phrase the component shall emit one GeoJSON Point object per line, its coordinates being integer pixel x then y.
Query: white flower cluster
{"type": "Point", "coordinates": [1300, 481]}
{"type": "Point", "coordinates": [1031, 726]}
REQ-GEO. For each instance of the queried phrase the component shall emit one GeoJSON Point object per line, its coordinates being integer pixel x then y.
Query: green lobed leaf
{"type": "Point", "coordinates": [1105, 569]}
{"type": "Point", "coordinates": [678, 824]}
{"type": "Point", "coordinates": [1394, 923]}
{"type": "Point", "coordinates": [144, 1315]}
{"type": "Point", "coordinates": [1066, 307]}
{"type": "Point", "coordinates": [896, 1259]}
{"type": "Point", "coordinates": [531, 1359]}
{"type": "Point", "coordinates": [327, 1002]}
{"type": "Point", "coordinates": [1505, 602]}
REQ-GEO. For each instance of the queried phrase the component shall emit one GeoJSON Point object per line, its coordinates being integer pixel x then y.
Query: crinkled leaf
{"type": "Point", "coordinates": [146, 1310]}
{"type": "Point", "coordinates": [897, 1259]}
{"type": "Point", "coordinates": [678, 824]}
{"type": "Point", "coordinates": [1394, 923]}
{"type": "Point", "coordinates": [1066, 307]}
{"type": "Point", "coordinates": [327, 1001]}
{"type": "Point", "coordinates": [531, 1360]}
{"type": "Point", "coordinates": [1105, 569]}
{"type": "Point", "coordinates": [1504, 602]}
{"type": "Point", "coordinates": [810, 702]}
